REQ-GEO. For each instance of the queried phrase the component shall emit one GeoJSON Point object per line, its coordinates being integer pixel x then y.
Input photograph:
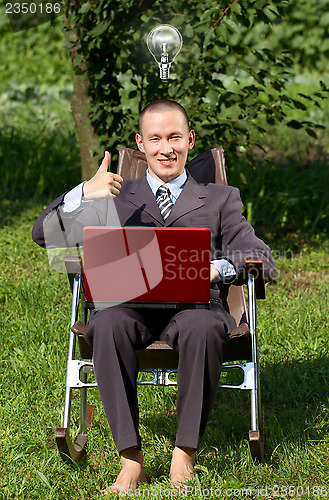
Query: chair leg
{"type": "Point", "coordinates": [256, 441]}
{"type": "Point", "coordinates": [67, 449]}
{"type": "Point", "coordinates": [256, 445]}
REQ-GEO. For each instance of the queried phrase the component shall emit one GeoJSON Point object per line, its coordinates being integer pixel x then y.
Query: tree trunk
{"type": "Point", "coordinates": [88, 142]}
{"type": "Point", "coordinates": [87, 139]}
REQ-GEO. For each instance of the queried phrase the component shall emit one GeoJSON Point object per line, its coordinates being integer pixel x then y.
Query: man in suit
{"type": "Point", "coordinates": [115, 333]}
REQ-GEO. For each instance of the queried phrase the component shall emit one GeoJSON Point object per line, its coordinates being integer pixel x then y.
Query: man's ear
{"type": "Point", "coordinates": [191, 139]}
{"type": "Point", "coordinates": [139, 142]}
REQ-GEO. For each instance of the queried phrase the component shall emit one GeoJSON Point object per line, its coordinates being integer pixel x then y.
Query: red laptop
{"type": "Point", "coordinates": [143, 266]}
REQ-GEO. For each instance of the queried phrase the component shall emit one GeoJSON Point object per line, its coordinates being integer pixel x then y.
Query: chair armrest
{"type": "Point", "coordinates": [254, 267]}
{"type": "Point", "coordinates": [79, 328]}
{"type": "Point", "coordinates": [240, 331]}
{"type": "Point", "coordinates": [73, 266]}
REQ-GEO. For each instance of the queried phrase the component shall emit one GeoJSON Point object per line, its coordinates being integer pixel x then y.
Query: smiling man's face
{"type": "Point", "coordinates": [165, 139]}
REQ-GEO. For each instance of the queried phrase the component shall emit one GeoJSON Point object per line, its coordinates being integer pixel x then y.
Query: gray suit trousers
{"type": "Point", "coordinates": [197, 334]}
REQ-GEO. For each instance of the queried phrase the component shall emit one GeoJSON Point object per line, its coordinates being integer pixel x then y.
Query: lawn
{"type": "Point", "coordinates": [294, 363]}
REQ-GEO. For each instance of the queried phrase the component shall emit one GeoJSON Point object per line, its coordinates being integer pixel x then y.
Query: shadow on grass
{"type": "Point", "coordinates": [295, 396]}
{"type": "Point", "coordinates": [295, 399]}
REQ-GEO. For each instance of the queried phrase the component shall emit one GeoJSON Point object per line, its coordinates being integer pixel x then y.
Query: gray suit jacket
{"type": "Point", "coordinates": [217, 207]}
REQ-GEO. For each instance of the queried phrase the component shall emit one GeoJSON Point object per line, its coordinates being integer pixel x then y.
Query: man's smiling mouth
{"type": "Point", "coordinates": [166, 161]}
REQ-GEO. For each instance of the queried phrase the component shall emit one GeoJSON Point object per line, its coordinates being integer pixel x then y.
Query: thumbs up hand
{"type": "Point", "coordinates": [104, 184]}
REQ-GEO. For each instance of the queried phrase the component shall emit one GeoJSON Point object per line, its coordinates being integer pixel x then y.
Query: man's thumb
{"type": "Point", "coordinates": [105, 162]}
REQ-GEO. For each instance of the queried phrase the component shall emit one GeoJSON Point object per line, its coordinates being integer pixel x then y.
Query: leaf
{"type": "Point", "coordinates": [99, 29]}
{"type": "Point", "coordinates": [259, 55]}
{"type": "Point", "coordinates": [232, 27]}
{"type": "Point", "coordinates": [172, 91]}
{"type": "Point", "coordinates": [207, 38]}
{"type": "Point", "coordinates": [299, 105]}
{"type": "Point", "coordinates": [85, 8]}
{"type": "Point", "coordinates": [257, 76]}
{"type": "Point", "coordinates": [43, 478]}
{"type": "Point", "coordinates": [294, 124]}
{"type": "Point", "coordinates": [221, 31]}
{"type": "Point", "coordinates": [188, 31]}
{"type": "Point", "coordinates": [208, 13]}
{"type": "Point", "coordinates": [250, 100]}
{"type": "Point", "coordinates": [235, 7]}
{"type": "Point", "coordinates": [276, 13]}
{"type": "Point", "coordinates": [311, 133]}
{"type": "Point", "coordinates": [270, 55]}
{"type": "Point", "coordinates": [77, 61]}
{"type": "Point", "coordinates": [189, 82]}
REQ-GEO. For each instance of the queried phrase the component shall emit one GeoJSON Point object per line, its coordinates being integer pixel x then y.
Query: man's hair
{"type": "Point", "coordinates": [162, 105]}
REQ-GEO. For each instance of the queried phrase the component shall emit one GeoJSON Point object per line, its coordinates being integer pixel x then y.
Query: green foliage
{"type": "Point", "coordinates": [226, 76]}
{"type": "Point", "coordinates": [34, 57]}
{"type": "Point", "coordinates": [39, 155]}
{"type": "Point", "coordinates": [302, 31]}
{"type": "Point", "coordinates": [36, 77]}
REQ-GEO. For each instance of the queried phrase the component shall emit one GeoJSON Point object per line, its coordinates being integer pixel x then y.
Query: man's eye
{"type": "Point", "coordinates": [175, 137]}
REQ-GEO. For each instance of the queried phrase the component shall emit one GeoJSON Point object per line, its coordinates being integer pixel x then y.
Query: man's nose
{"type": "Point", "coordinates": [166, 147]}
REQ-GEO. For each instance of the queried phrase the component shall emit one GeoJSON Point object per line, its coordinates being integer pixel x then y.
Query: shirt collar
{"type": "Point", "coordinates": [175, 186]}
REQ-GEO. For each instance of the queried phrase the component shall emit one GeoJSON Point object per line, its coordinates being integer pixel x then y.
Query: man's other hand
{"type": "Point", "coordinates": [213, 272]}
{"type": "Point", "coordinates": [104, 184]}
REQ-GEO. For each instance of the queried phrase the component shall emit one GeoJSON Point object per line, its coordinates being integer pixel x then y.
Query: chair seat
{"type": "Point", "coordinates": [160, 354]}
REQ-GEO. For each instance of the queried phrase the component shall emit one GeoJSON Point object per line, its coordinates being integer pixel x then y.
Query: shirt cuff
{"type": "Point", "coordinates": [226, 271]}
{"type": "Point", "coordinates": [73, 201]}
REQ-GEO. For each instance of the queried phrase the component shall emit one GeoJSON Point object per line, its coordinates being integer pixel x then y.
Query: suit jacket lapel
{"type": "Point", "coordinates": [141, 196]}
{"type": "Point", "coordinates": [191, 198]}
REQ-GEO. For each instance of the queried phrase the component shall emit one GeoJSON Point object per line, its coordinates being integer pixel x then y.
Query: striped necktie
{"type": "Point", "coordinates": [164, 201]}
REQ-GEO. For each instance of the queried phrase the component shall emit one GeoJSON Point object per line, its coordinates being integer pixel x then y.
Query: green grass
{"type": "Point", "coordinates": [34, 326]}
{"type": "Point", "coordinates": [34, 315]}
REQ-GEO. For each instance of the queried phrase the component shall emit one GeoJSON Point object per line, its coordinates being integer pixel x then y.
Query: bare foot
{"type": "Point", "coordinates": [131, 473]}
{"type": "Point", "coordinates": [181, 470]}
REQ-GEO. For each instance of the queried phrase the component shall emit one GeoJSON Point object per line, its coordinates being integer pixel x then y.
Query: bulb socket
{"type": "Point", "coordinates": [164, 73]}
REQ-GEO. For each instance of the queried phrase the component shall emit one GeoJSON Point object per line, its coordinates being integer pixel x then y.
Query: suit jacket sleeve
{"type": "Point", "coordinates": [240, 241]}
{"type": "Point", "coordinates": [53, 229]}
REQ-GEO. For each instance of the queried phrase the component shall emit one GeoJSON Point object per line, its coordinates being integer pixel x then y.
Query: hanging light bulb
{"type": "Point", "coordinates": [164, 42]}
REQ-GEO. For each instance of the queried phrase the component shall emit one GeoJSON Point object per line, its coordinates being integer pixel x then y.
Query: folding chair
{"type": "Point", "coordinates": [159, 359]}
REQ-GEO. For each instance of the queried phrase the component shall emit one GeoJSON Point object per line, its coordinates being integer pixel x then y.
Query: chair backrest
{"type": "Point", "coordinates": [207, 167]}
